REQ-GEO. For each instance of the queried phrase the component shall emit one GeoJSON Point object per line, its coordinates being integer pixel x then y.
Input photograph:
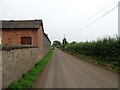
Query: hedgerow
{"type": "Point", "coordinates": [105, 51]}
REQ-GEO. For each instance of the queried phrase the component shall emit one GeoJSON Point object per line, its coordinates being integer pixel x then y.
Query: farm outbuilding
{"type": "Point", "coordinates": [25, 32]}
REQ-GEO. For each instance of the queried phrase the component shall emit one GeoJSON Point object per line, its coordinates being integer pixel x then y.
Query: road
{"type": "Point", "coordinates": [0, 69]}
{"type": "Point", "coordinates": [67, 71]}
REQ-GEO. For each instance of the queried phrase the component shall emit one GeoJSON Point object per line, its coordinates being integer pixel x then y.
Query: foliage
{"type": "Point", "coordinates": [27, 79]}
{"type": "Point", "coordinates": [56, 44]}
{"type": "Point", "coordinates": [105, 51]}
{"type": "Point", "coordinates": [64, 43]}
{"type": "Point", "coordinates": [73, 42]}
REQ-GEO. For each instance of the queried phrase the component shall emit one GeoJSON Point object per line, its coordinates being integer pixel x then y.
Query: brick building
{"type": "Point", "coordinates": [26, 32]}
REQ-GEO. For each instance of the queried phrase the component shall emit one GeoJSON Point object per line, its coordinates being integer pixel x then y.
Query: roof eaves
{"type": "Point", "coordinates": [47, 37]}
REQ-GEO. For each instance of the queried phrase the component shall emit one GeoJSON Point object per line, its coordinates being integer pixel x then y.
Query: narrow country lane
{"type": "Point", "coordinates": [67, 71]}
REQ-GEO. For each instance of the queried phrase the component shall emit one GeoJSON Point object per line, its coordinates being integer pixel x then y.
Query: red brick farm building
{"type": "Point", "coordinates": [25, 32]}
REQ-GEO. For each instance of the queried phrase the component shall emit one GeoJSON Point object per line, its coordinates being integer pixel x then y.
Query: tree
{"type": "Point", "coordinates": [73, 42]}
{"type": "Point", "coordinates": [56, 43]}
{"type": "Point", "coordinates": [64, 42]}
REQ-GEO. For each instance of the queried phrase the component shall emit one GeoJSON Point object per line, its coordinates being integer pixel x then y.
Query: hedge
{"type": "Point", "coordinates": [106, 50]}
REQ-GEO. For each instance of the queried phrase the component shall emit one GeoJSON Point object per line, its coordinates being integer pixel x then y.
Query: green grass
{"type": "Point", "coordinates": [111, 67]}
{"type": "Point", "coordinates": [28, 78]}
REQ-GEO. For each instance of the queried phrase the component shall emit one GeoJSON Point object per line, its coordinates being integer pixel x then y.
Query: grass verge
{"type": "Point", "coordinates": [27, 79]}
{"type": "Point", "coordinates": [97, 61]}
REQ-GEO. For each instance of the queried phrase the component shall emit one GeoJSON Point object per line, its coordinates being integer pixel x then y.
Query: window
{"type": "Point", "coordinates": [26, 40]}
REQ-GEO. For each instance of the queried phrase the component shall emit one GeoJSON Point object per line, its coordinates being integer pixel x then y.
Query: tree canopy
{"type": "Point", "coordinates": [56, 43]}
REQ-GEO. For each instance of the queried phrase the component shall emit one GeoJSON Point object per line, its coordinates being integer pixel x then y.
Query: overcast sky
{"type": "Point", "coordinates": [66, 17]}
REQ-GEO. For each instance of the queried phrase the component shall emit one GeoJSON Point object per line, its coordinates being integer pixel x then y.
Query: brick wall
{"type": "Point", "coordinates": [16, 62]}
{"type": "Point", "coordinates": [13, 36]}
{"type": "Point", "coordinates": [40, 42]}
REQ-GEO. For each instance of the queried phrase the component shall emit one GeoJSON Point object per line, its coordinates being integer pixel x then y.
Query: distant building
{"type": "Point", "coordinates": [25, 32]}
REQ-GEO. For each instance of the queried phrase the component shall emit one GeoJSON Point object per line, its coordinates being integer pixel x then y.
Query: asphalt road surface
{"type": "Point", "coordinates": [66, 71]}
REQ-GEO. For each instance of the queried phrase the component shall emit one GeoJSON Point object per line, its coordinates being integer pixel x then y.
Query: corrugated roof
{"type": "Point", "coordinates": [21, 24]}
